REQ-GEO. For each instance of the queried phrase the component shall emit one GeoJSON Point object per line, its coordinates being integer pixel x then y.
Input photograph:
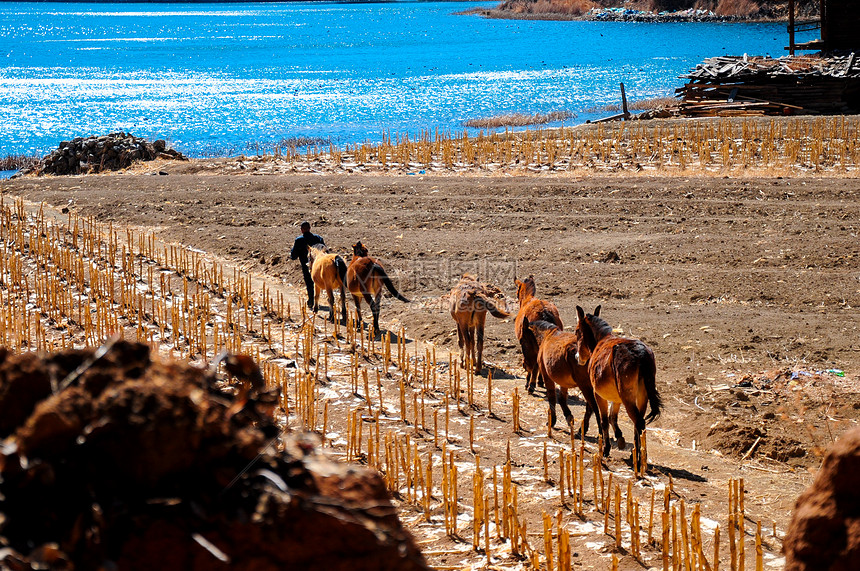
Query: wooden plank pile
{"type": "Point", "coordinates": [741, 86]}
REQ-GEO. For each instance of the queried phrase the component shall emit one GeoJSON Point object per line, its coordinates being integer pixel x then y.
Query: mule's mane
{"type": "Point", "coordinates": [598, 326]}
{"type": "Point", "coordinates": [542, 325]}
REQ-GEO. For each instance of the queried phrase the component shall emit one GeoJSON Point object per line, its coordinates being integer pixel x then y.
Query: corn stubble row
{"type": "Point", "coordinates": [69, 282]}
{"type": "Point", "coordinates": [780, 145]}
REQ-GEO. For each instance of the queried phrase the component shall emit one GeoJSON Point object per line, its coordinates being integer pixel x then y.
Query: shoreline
{"type": "Point", "coordinates": [606, 16]}
{"type": "Point", "coordinates": [704, 147]}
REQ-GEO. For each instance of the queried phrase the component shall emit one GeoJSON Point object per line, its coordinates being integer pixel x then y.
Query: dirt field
{"type": "Point", "coordinates": [746, 289]}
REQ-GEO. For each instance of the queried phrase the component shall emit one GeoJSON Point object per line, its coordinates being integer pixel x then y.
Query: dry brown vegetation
{"type": "Point", "coordinates": [565, 7]}
{"type": "Point", "coordinates": [518, 120]}
{"type": "Point", "coordinates": [742, 9]}
{"type": "Point", "coordinates": [719, 146]}
{"type": "Point", "coordinates": [640, 105]}
{"type": "Point", "coordinates": [17, 162]}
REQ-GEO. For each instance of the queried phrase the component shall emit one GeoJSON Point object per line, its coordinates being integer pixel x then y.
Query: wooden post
{"type": "Point", "coordinates": [547, 541]}
{"type": "Point", "coordinates": [665, 521]}
{"type": "Point", "coordinates": [791, 27]}
{"type": "Point", "coordinates": [545, 465]}
{"type": "Point", "coordinates": [472, 433]}
{"type": "Point", "coordinates": [625, 112]}
{"type": "Point", "coordinates": [759, 555]}
{"type": "Point", "coordinates": [617, 517]}
{"type": "Point", "coordinates": [561, 475]}
{"type": "Point", "coordinates": [489, 393]}
{"type": "Point", "coordinates": [716, 566]}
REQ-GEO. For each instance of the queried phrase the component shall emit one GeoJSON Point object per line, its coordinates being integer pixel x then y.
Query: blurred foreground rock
{"type": "Point", "coordinates": [825, 530]}
{"type": "Point", "coordinates": [141, 464]}
{"type": "Point", "coordinates": [84, 155]}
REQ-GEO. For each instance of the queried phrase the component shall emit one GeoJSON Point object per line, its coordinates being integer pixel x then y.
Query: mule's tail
{"type": "Point", "coordinates": [648, 374]}
{"type": "Point", "coordinates": [493, 308]}
{"type": "Point", "coordinates": [341, 269]}
{"type": "Point", "coordinates": [390, 286]}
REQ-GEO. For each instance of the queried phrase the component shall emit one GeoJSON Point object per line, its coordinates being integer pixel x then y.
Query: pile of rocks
{"type": "Point", "coordinates": [632, 15]}
{"type": "Point", "coordinates": [114, 151]}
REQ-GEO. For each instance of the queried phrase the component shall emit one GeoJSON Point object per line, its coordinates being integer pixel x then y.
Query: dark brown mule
{"type": "Point", "coordinates": [365, 278]}
{"type": "Point", "coordinates": [533, 309]}
{"type": "Point", "coordinates": [621, 370]}
{"type": "Point", "coordinates": [558, 366]}
{"type": "Point", "coordinates": [470, 300]}
{"type": "Point", "coordinates": [329, 273]}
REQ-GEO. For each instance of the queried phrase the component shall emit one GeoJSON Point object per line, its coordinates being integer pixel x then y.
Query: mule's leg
{"type": "Point", "coordinates": [317, 290]}
{"type": "Point", "coordinates": [638, 419]}
{"type": "Point", "coordinates": [643, 459]}
{"type": "Point", "coordinates": [589, 412]}
{"type": "Point", "coordinates": [603, 416]}
{"type": "Point", "coordinates": [613, 419]}
{"type": "Point", "coordinates": [375, 309]}
{"type": "Point", "coordinates": [469, 354]}
{"type": "Point", "coordinates": [550, 397]}
{"type": "Point", "coordinates": [343, 304]}
{"type": "Point", "coordinates": [530, 385]}
{"type": "Point", "coordinates": [357, 300]}
{"type": "Point", "coordinates": [479, 344]}
{"type": "Point", "coordinates": [330, 294]}
{"type": "Point", "coordinates": [565, 409]}
{"type": "Point", "coordinates": [528, 344]}
{"type": "Point", "coordinates": [461, 342]}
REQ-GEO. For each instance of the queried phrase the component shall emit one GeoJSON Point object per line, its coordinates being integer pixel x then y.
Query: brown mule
{"type": "Point", "coordinates": [470, 300]}
{"type": "Point", "coordinates": [329, 273]}
{"type": "Point", "coordinates": [558, 366]}
{"type": "Point", "coordinates": [365, 278]}
{"type": "Point", "coordinates": [621, 370]}
{"type": "Point", "coordinates": [533, 309]}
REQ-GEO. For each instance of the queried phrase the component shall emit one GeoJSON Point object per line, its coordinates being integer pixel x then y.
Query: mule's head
{"type": "Point", "coordinates": [585, 340]}
{"type": "Point", "coordinates": [525, 288]}
{"type": "Point", "coordinates": [316, 250]}
{"type": "Point", "coordinates": [359, 250]}
{"type": "Point", "coordinates": [540, 329]}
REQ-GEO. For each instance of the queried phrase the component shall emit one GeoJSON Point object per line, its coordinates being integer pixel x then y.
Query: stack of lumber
{"type": "Point", "coordinates": [739, 86]}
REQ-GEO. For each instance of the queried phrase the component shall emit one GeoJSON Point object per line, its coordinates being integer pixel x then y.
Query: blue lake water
{"type": "Point", "coordinates": [222, 78]}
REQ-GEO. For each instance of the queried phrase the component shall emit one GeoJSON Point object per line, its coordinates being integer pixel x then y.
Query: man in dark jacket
{"type": "Point", "coordinates": [300, 253]}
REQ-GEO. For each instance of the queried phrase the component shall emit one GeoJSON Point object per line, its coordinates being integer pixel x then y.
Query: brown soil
{"type": "Point", "coordinates": [746, 289]}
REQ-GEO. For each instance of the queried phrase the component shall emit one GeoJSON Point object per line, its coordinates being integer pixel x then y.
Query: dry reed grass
{"type": "Point", "coordinates": [640, 105]}
{"type": "Point", "coordinates": [770, 146]}
{"type": "Point", "coordinates": [17, 162]}
{"type": "Point", "coordinates": [564, 7]}
{"type": "Point", "coordinates": [738, 8]}
{"type": "Point", "coordinates": [518, 120]}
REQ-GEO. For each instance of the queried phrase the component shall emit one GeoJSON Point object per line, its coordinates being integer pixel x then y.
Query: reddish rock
{"type": "Point", "coordinates": [825, 530]}
{"type": "Point", "coordinates": [147, 465]}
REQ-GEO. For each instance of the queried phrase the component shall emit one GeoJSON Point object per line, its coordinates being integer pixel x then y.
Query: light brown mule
{"type": "Point", "coordinates": [533, 309]}
{"type": "Point", "coordinates": [469, 302]}
{"type": "Point", "coordinates": [329, 273]}
{"type": "Point", "coordinates": [621, 370]}
{"type": "Point", "coordinates": [558, 366]}
{"type": "Point", "coordinates": [365, 278]}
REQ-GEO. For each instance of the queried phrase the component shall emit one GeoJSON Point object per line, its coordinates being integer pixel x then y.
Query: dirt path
{"type": "Point", "coordinates": [746, 290]}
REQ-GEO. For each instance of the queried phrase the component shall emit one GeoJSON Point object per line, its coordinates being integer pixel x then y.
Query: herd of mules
{"type": "Point", "coordinates": [609, 370]}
